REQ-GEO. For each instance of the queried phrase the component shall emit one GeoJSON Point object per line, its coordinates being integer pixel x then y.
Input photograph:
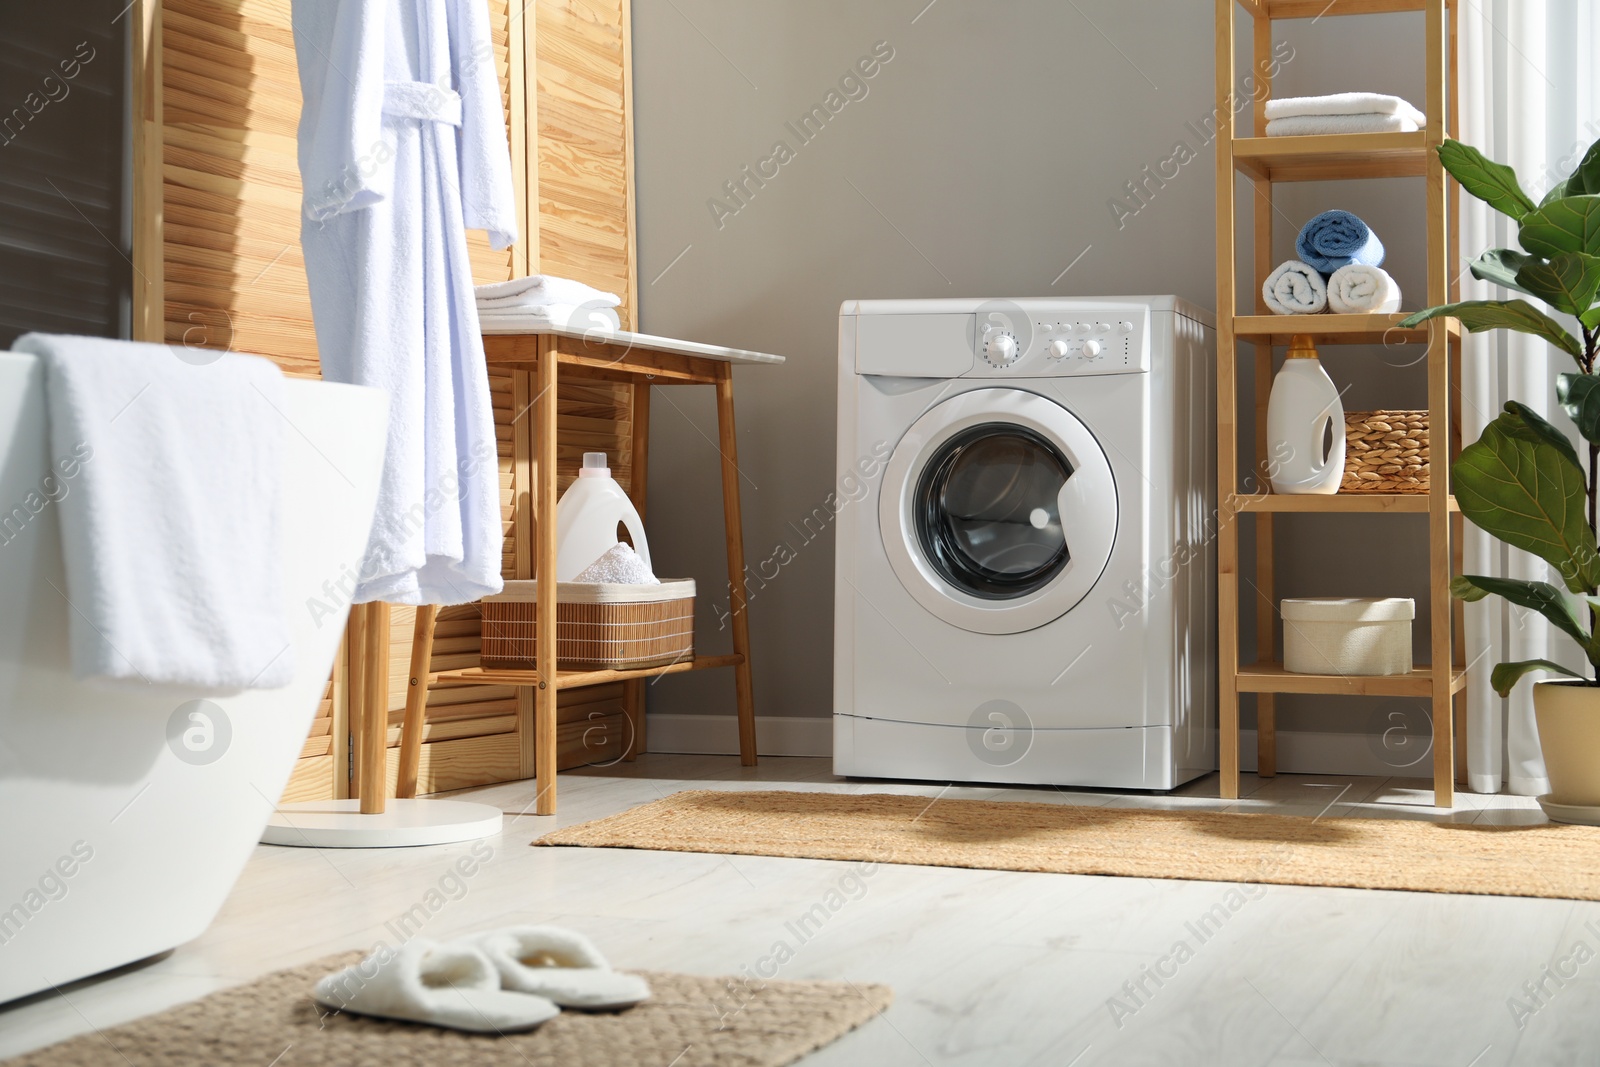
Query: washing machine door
{"type": "Point", "coordinates": [998, 511]}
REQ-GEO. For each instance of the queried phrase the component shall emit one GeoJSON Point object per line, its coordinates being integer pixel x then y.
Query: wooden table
{"type": "Point", "coordinates": [548, 356]}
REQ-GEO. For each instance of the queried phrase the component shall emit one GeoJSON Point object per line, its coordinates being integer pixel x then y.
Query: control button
{"type": "Point", "coordinates": [1058, 349]}
{"type": "Point", "coordinates": [1124, 327]}
{"type": "Point", "coordinates": [1083, 327]}
{"type": "Point", "coordinates": [1000, 349]}
{"type": "Point", "coordinates": [1091, 349]}
{"type": "Point", "coordinates": [1102, 327]}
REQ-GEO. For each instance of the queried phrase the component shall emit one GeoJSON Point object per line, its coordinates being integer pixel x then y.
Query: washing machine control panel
{"type": "Point", "coordinates": [1030, 342]}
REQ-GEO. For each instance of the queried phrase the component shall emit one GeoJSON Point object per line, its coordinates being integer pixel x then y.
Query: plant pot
{"type": "Point", "coordinates": [1569, 734]}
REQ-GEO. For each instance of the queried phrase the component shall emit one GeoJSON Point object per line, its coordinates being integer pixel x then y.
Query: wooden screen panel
{"type": "Point", "coordinates": [234, 275]}
{"type": "Point", "coordinates": [585, 169]}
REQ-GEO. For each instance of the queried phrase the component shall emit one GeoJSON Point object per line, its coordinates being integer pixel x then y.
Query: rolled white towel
{"type": "Point", "coordinates": [1295, 289]}
{"type": "Point", "coordinates": [538, 290]}
{"type": "Point", "coordinates": [1358, 289]}
{"type": "Point", "coordinates": [1313, 125]}
{"type": "Point", "coordinates": [1343, 104]}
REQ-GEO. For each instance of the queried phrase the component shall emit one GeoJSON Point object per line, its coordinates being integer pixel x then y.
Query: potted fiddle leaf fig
{"type": "Point", "coordinates": [1523, 481]}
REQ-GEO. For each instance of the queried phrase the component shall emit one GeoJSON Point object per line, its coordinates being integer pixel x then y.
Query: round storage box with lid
{"type": "Point", "coordinates": [600, 625]}
{"type": "Point", "coordinates": [1348, 635]}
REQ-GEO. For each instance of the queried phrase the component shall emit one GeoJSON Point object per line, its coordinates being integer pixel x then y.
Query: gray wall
{"type": "Point", "coordinates": [981, 162]}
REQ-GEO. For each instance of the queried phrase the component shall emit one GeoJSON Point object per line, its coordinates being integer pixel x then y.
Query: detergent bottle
{"type": "Point", "coordinates": [1302, 413]}
{"type": "Point", "coordinates": [587, 516]}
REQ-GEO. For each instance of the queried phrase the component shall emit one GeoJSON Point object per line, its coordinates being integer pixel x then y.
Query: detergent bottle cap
{"type": "Point", "coordinates": [1300, 347]}
{"type": "Point", "coordinates": [594, 466]}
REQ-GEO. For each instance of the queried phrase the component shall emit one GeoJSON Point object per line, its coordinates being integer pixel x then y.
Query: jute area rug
{"type": "Point", "coordinates": [1526, 861]}
{"type": "Point", "coordinates": [688, 1022]}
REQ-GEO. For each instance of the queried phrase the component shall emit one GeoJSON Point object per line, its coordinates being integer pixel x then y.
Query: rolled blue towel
{"type": "Point", "coordinates": [1337, 239]}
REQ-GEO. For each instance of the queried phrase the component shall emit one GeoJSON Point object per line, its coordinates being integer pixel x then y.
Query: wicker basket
{"type": "Point", "coordinates": [1385, 452]}
{"type": "Point", "coordinates": [600, 625]}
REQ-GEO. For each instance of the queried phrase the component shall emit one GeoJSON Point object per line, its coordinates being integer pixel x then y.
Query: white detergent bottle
{"type": "Point", "coordinates": [1302, 413]}
{"type": "Point", "coordinates": [587, 516]}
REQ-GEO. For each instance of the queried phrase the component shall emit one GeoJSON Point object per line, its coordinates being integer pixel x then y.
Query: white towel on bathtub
{"type": "Point", "coordinates": [171, 535]}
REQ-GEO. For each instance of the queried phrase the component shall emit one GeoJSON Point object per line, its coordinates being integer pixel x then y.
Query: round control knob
{"type": "Point", "coordinates": [1000, 349]}
{"type": "Point", "coordinates": [1091, 348]}
{"type": "Point", "coordinates": [1058, 349]}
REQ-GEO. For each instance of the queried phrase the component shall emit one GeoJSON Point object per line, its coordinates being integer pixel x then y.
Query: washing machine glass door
{"type": "Point", "coordinates": [998, 510]}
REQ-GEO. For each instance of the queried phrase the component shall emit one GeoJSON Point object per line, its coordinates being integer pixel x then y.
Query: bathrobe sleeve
{"type": "Point", "coordinates": [345, 152]}
{"type": "Point", "coordinates": [486, 198]}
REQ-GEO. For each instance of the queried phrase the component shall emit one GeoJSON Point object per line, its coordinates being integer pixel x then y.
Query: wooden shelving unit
{"type": "Point", "coordinates": [1264, 161]}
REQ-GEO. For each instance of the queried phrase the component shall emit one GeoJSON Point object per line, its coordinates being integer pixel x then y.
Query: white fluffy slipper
{"type": "Point", "coordinates": [561, 965]}
{"type": "Point", "coordinates": [451, 985]}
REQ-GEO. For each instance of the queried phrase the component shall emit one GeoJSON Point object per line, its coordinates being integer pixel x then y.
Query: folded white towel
{"type": "Point", "coordinates": [1358, 289]}
{"type": "Point", "coordinates": [171, 537]}
{"type": "Point", "coordinates": [1311, 125]}
{"type": "Point", "coordinates": [1295, 289]}
{"type": "Point", "coordinates": [539, 290]}
{"type": "Point", "coordinates": [565, 316]}
{"type": "Point", "coordinates": [1343, 104]}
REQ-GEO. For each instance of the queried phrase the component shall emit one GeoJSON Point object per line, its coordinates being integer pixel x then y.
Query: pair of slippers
{"type": "Point", "coordinates": [503, 981]}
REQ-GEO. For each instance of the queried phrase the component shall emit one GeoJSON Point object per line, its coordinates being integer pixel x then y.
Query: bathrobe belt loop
{"type": "Point", "coordinates": [423, 101]}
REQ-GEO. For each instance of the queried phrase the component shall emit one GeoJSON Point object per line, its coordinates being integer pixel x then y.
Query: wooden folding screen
{"type": "Point", "coordinates": [218, 264]}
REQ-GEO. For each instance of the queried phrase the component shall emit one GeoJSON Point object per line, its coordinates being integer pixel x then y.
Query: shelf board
{"type": "Point", "coordinates": [1272, 678]}
{"type": "Point", "coordinates": [1310, 9]}
{"type": "Point", "coordinates": [1335, 329]}
{"type": "Point", "coordinates": [566, 679]}
{"type": "Point", "coordinates": [1347, 503]}
{"type": "Point", "coordinates": [1333, 156]}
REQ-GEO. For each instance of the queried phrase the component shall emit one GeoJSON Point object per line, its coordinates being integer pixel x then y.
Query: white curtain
{"type": "Point", "coordinates": [1530, 98]}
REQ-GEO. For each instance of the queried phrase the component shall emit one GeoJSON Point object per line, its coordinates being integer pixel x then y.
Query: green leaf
{"type": "Point", "coordinates": [1542, 597]}
{"type": "Point", "coordinates": [1567, 283]}
{"type": "Point", "coordinates": [1499, 266]}
{"type": "Point", "coordinates": [1526, 424]}
{"type": "Point", "coordinates": [1586, 179]}
{"type": "Point", "coordinates": [1566, 224]}
{"type": "Point", "coordinates": [1517, 483]}
{"type": "Point", "coordinates": [1493, 183]}
{"type": "Point", "coordinates": [1480, 315]}
{"type": "Point", "coordinates": [1590, 318]}
{"type": "Point", "coordinates": [1566, 187]}
{"type": "Point", "coordinates": [1580, 399]}
{"type": "Point", "coordinates": [1507, 675]}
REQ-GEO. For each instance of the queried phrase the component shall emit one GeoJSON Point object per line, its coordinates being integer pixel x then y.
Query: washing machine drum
{"type": "Point", "coordinates": [998, 511]}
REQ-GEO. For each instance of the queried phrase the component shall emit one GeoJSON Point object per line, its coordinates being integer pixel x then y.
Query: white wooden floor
{"type": "Point", "coordinates": [988, 967]}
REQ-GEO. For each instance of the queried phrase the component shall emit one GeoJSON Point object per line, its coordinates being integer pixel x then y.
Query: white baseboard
{"type": "Point", "coordinates": [1299, 751]}
{"type": "Point", "coordinates": [718, 735]}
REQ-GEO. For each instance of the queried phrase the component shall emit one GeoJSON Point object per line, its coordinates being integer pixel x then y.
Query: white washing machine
{"type": "Point", "coordinates": [1025, 585]}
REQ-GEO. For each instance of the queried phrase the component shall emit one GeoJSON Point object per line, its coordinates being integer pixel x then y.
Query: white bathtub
{"type": "Point", "coordinates": [112, 848]}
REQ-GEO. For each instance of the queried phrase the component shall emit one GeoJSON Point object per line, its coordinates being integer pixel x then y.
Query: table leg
{"type": "Point", "coordinates": [544, 705]}
{"type": "Point", "coordinates": [737, 600]}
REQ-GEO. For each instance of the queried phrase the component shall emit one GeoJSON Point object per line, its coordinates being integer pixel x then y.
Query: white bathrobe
{"type": "Point", "coordinates": [402, 148]}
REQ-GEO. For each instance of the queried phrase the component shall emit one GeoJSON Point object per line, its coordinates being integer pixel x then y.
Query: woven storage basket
{"type": "Point", "coordinates": [599, 625]}
{"type": "Point", "coordinates": [1385, 452]}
